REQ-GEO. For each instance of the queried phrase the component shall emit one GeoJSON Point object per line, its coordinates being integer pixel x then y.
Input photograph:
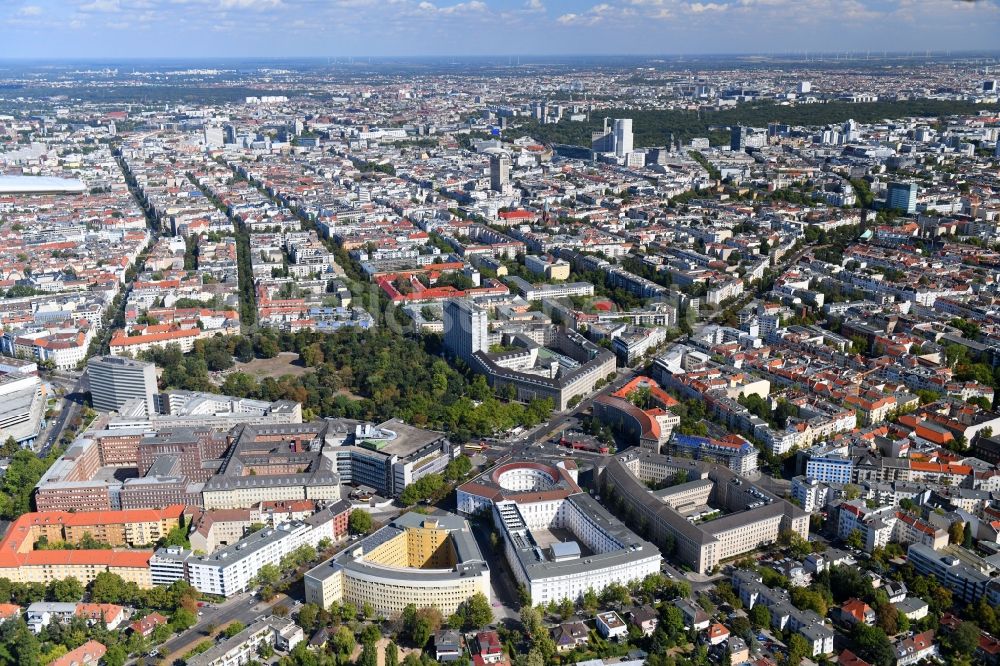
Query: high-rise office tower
{"type": "Point", "coordinates": [499, 171]}
{"type": "Point", "coordinates": [466, 328]}
{"type": "Point", "coordinates": [215, 137]}
{"type": "Point", "coordinates": [114, 380]}
{"type": "Point", "coordinates": [902, 196]}
{"type": "Point", "coordinates": [737, 137]}
{"type": "Point", "coordinates": [623, 136]}
{"type": "Point", "coordinates": [616, 138]}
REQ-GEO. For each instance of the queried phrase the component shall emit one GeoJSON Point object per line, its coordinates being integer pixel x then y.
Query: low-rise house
{"type": "Point", "coordinates": [896, 590]}
{"type": "Point", "coordinates": [988, 650]}
{"type": "Point", "coordinates": [238, 650]}
{"type": "Point", "coordinates": [914, 608]}
{"type": "Point", "coordinates": [112, 615]}
{"type": "Point", "coordinates": [739, 651]}
{"type": "Point", "coordinates": [90, 652]}
{"type": "Point", "coordinates": [646, 619]}
{"type": "Point", "coordinates": [848, 658]}
{"type": "Point", "coordinates": [447, 645]}
{"type": "Point", "coordinates": [694, 617]}
{"type": "Point", "coordinates": [488, 649]}
{"type": "Point", "coordinates": [611, 626]}
{"type": "Point", "coordinates": [853, 611]}
{"type": "Point", "coordinates": [911, 649]}
{"type": "Point", "coordinates": [570, 635]}
{"type": "Point", "coordinates": [147, 625]}
{"type": "Point", "coordinates": [717, 633]}
{"type": "Point", "coordinates": [9, 611]}
{"type": "Point", "coordinates": [41, 613]}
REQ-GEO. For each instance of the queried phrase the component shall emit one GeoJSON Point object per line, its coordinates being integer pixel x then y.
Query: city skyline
{"type": "Point", "coordinates": [340, 28]}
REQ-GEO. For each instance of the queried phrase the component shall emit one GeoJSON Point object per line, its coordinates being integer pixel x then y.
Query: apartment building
{"type": "Point", "coordinates": [749, 585]}
{"type": "Point", "coordinates": [279, 632]}
{"type": "Point", "coordinates": [231, 569]}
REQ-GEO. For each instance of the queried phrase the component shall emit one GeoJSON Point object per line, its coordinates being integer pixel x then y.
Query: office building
{"type": "Point", "coordinates": [741, 138]}
{"type": "Point", "coordinates": [215, 136]}
{"type": "Point", "coordinates": [529, 502]}
{"type": "Point", "coordinates": [426, 560]}
{"type": "Point", "coordinates": [387, 457]}
{"type": "Point", "coordinates": [614, 138]}
{"type": "Point", "coordinates": [902, 196]}
{"type": "Point", "coordinates": [623, 136]}
{"type": "Point", "coordinates": [966, 583]}
{"type": "Point", "coordinates": [465, 329]}
{"type": "Point", "coordinates": [115, 380]}
{"type": "Point", "coordinates": [22, 405]}
{"type": "Point", "coordinates": [715, 516]}
{"type": "Point", "coordinates": [499, 171]}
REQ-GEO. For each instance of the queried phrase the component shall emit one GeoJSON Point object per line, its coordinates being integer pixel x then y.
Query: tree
{"type": "Point", "coordinates": [359, 522]}
{"type": "Point", "coordinates": [566, 608]}
{"type": "Point", "coordinates": [478, 612]}
{"type": "Point", "coordinates": [115, 656]}
{"type": "Point", "coordinates": [740, 626]}
{"type": "Point", "coordinates": [67, 589]}
{"type": "Point", "coordinates": [108, 588]}
{"type": "Point", "coordinates": [673, 622]}
{"type": "Point", "coordinates": [759, 616]}
{"type": "Point", "coordinates": [535, 658]}
{"type": "Point", "coordinates": [391, 654]}
{"type": "Point", "coordinates": [531, 620]}
{"type": "Point", "coordinates": [956, 532]}
{"type": "Point", "coordinates": [886, 617]}
{"type": "Point", "coordinates": [234, 628]}
{"type": "Point", "coordinates": [308, 615]}
{"type": "Point", "coordinates": [855, 539]}
{"type": "Point", "coordinates": [343, 641]}
{"type": "Point", "coordinates": [965, 639]}
{"type": "Point", "coordinates": [798, 648]}
{"type": "Point", "coordinates": [183, 619]}
{"type": "Point", "coordinates": [268, 575]}
{"type": "Point", "coordinates": [873, 644]}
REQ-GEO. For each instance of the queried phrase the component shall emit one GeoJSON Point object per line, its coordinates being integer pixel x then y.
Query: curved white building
{"type": "Point", "coordinates": [559, 541]}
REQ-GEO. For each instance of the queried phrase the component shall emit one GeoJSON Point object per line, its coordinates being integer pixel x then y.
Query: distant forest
{"type": "Point", "coordinates": [652, 128]}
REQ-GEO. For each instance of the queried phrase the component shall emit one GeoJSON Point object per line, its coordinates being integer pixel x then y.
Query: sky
{"type": "Point", "coordinates": [67, 29]}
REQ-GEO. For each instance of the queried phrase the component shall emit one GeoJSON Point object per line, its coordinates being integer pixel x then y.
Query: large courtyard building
{"type": "Point", "coordinates": [559, 541]}
{"type": "Point", "coordinates": [425, 560]}
{"type": "Point", "coordinates": [126, 532]}
{"type": "Point", "coordinates": [715, 515]}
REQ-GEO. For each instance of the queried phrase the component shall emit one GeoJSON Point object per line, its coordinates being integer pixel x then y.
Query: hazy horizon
{"type": "Point", "coordinates": [204, 29]}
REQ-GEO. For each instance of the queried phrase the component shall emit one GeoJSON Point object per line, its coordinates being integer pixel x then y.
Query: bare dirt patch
{"type": "Point", "coordinates": [285, 363]}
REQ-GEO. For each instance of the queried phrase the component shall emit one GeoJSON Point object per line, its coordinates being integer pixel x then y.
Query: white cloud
{"type": "Point", "coordinates": [250, 4]}
{"type": "Point", "coordinates": [534, 6]}
{"type": "Point", "coordinates": [700, 8]}
{"type": "Point", "coordinates": [101, 6]}
{"type": "Point", "coordinates": [29, 10]}
{"type": "Point", "coordinates": [596, 14]}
